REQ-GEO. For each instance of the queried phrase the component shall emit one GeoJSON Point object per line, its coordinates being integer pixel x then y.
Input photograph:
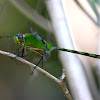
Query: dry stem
{"type": "Point", "coordinates": [61, 81]}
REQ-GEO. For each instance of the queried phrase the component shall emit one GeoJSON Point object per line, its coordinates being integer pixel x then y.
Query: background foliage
{"type": "Point", "coordinates": [16, 83]}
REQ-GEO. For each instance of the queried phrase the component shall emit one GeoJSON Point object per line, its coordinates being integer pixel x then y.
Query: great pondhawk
{"type": "Point", "coordinates": [34, 42]}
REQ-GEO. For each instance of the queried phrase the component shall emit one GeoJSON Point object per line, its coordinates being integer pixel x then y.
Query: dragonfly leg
{"type": "Point", "coordinates": [17, 51]}
{"type": "Point", "coordinates": [41, 59]}
{"type": "Point", "coordinates": [42, 63]}
{"type": "Point", "coordinates": [22, 53]}
{"type": "Point", "coordinates": [24, 49]}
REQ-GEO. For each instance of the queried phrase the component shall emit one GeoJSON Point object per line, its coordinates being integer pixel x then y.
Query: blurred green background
{"type": "Point", "coordinates": [16, 83]}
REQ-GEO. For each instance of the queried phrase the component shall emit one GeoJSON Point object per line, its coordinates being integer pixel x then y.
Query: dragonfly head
{"type": "Point", "coordinates": [18, 38]}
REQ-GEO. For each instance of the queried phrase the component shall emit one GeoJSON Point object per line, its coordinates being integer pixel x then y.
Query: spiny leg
{"type": "Point", "coordinates": [18, 50]}
{"type": "Point", "coordinates": [22, 53]}
{"type": "Point", "coordinates": [24, 49]}
{"type": "Point", "coordinates": [42, 62]}
{"type": "Point", "coordinates": [41, 59]}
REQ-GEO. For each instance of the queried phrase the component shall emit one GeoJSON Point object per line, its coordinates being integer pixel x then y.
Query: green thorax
{"type": "Point", "coordinates": [31, 41]}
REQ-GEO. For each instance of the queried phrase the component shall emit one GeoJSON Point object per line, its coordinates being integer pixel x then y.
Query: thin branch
{"type": "Point", "coordinates": [32, 14]}
{"type": "Point", "coordinates": [61, 81]}
{"type": "Point", "coordinates": [63, 84]}
{"type": "Point", "coordinates": [77, 2]}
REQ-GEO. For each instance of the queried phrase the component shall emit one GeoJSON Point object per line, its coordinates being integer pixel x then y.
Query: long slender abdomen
{"type": "Point", "coordinates": [79, 52]}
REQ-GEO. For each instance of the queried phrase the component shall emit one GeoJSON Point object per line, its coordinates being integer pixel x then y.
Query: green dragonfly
{"type": "Point", "coordinates": [34, 42]}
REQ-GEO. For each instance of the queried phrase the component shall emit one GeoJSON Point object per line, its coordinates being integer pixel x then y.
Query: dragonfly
{"type": "Point", "coordinates": [34, 42]}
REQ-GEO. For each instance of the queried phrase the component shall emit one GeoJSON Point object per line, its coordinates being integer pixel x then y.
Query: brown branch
{"type": "Point", "coordinates": [61, 81]}
{"type": "Point", "coordinates": [63, 85]}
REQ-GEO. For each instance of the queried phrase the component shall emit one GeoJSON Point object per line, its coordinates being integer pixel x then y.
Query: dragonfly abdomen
{"type": "Point", "coordinates": [81, 53]}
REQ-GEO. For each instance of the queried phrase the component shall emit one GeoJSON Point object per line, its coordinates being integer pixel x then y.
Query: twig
{"type": "Point", "coordinates": [32, 14]}
{"type": "Point", "coordinates": [63, 85]}
{"type": "Point", "coordinates": [61, 81]}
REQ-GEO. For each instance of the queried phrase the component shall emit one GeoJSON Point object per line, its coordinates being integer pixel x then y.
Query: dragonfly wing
{"type": "Point", "coordinates": [34, 33]}
{"type": "Point", "coordinates": [9, 37]}
{"type": "Point", "coordinates": [36, 50]}
{"type": "Point", "coordinates": [31, 28]}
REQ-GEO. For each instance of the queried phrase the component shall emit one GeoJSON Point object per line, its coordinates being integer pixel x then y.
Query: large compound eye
{"type": "Point", "coordinates": [20, 37]}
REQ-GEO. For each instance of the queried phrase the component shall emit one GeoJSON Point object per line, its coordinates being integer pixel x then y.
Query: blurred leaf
{"type": "Point", "coordinates": [3, 10]}
{"type": "Point", "coordinates": [97, 2]}
{"type": "Point", "coordinates": [1, 1]}
{"type": "Point", "coordinates": [93, 6]}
